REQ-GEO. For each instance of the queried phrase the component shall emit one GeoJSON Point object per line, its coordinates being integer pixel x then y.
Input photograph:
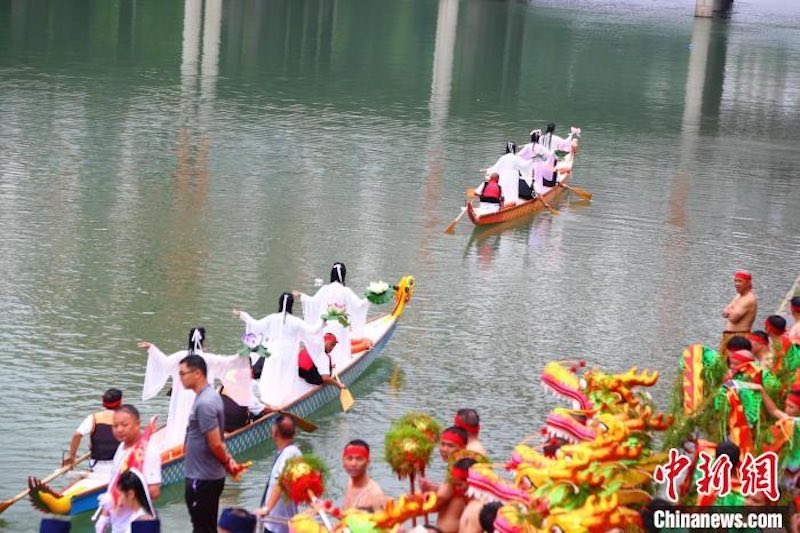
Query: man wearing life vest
{"type": "Point", "coordinates": [101, 437]}
{"type": "Point", "coordinates": [310, 371]}
{"type": "Point", "coordinates": [490, 193]}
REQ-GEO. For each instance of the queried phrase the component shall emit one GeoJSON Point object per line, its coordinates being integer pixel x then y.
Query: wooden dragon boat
{"type": "Point", "coordinates": [523, 208]}
{"type": "Point", "coordinates": [81, 495]}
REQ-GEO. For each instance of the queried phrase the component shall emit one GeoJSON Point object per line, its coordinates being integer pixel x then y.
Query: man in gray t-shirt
{"type": "Point", "coordinates": [206, 460]}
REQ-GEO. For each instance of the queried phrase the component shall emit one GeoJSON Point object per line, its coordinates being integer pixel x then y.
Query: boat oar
{"type": "Point", "coordinates": [586, 195]}
{"type": "Point", "coordinates": [452, 226]}
{"type": "Point", "coordinates": [306, 425]}
{"type": "Point", "coordinates": [58, 473]}
{"type": "Point", "coordinates": [345, 397]}
{"type": "Point", "coordinates": [469, 194]}
{"type": "Point", "coordinates": [553, 210]}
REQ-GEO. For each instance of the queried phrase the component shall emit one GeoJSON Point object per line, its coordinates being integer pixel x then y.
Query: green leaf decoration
{"type": "Point", "coordinates": [423, 422]}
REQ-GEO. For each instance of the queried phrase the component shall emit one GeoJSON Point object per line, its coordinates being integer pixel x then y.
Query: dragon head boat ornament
{"type": "Point", "coordinates": [591, 474]}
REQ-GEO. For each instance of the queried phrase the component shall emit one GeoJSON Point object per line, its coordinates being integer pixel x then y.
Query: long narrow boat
{"type": "Point", "coordinates": [482, 217]}
{"type": "Point", "coordinates": [81, 496]}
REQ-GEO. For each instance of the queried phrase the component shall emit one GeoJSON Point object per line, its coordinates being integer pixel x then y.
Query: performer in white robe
{"type": "Point", "coordinates": [510, 167]}
{"type": "Point", "coordinates": [534, 151]}
{"type": "Point", "coordinates": [552, 143]}
{"type": "Point", "coordinates": [232, 370]}
{"type": "Point", "coordinates": [280, 382]}
{"type": "Point", "coordinates": [356, 308]}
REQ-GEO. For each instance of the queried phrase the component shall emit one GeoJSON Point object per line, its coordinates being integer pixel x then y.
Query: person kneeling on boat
{"type": "Point", "coordinates": [102, 442]}
{"type": "Point", "coordinates": [509, 167]}
{"type": "Point", "coordinates": [309, 370]}
{"type": "Point", "coordinates": [490, 193]}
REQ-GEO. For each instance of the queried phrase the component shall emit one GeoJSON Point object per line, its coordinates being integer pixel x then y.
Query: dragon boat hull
{"type": "Point", "coordinates": [82, 495]}
{"type": "Point", "coordinates": [524, 208]}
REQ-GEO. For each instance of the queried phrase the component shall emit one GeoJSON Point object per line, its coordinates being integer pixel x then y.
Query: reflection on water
{"type": "Point", "coordinates": [162, 162]}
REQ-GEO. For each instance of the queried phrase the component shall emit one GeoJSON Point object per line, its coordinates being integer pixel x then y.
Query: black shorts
{"type": "Point", "coordinates": [311, 376]}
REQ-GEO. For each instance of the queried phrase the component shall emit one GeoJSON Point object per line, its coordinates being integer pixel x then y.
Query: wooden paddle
{"type": "Point", "coordinates": [553, 210]}
{"type": "Point", "coordinates": [469, 194]}
{"type": "Point", "coordinates": [56, 474]}
{"type": "Point", "coordinates": [306, 425]}
{"type": "Point", "coordinates": [452, 226]}
{"type": "Point", "coordinates": [345, 397]}
{"type": "Point", "coordinates": [586, 195]}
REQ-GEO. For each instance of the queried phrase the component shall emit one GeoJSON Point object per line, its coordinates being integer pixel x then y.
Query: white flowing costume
{"type": "Point", "coordinates": [540, 168]}
{"type": "Point", "coordinates": [280, 383]}
{"type": "Point", "coordinates": [509, 168]}
{"type": "Point", "coordinates": [356, 308]}
{"type": "Point", "coordinates": [232, 370]}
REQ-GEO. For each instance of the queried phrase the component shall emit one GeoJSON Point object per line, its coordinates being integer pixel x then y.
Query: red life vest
{"type": "Point", "coordinates": [491, 192]}
{"type": "Point", "coordinates": [304, 360]}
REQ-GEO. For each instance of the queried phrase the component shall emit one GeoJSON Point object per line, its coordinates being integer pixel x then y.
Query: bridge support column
{"type": "Point", "coordinates": [708, 8]}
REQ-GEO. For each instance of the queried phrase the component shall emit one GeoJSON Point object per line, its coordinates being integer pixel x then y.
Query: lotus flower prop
{"type": "Point", "coordinates": [378, 293]}
{"type": "Point", "coordinates": [338, 313]}
{"type": "Point", "coordinates": [303, 477]}
{"type": "Point", "coordinates": [253, 343]}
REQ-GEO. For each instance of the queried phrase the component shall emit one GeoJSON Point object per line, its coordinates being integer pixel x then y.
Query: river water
{"type": "Point", "coordinates": [164, 161]}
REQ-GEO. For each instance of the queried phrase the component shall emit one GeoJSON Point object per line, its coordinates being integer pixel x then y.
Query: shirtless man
{"type": "Point", "coordinates": [453, 497]}
{"type": "Point", "coordinates": [740, 314]}
{"type": "Point", "coordinates": [468, 420]}
{"type": "Point", "coordinates": [759, 340]}
{"type": "Point", "coordinates": [471, 517]}
{"type": "Point", "coordinates": [453, 439]}
{"type": "Point", "coordinates": [362, 491]}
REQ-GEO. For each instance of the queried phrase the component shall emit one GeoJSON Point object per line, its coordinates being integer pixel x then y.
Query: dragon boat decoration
{"type": "Point", "coordinates": [81, 495]}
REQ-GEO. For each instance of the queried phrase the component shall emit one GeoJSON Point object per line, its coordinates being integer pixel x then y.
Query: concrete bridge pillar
{"type": "Point", "coordinates": [708, 8]}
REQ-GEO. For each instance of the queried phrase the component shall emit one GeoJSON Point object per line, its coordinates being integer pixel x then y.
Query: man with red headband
{"type": "Point", "coordinates": [99, 427]}
{"type": "Point", "coordinates": [362, 491]}
{"type": "Point", "coordinates": [309, 371]}
{"type": "Point", "coordinates": [469, 521]}
{"type": "Point", "coordinates": [740, 314]}
{"type": "Point", "coordinates": [775, 326]}
{"type": "Point", "coordinates": [451, 497]}
{"type": "Point", "coordinates": [759, 340]}
{"type": "Point", "coordinates": [469, 421]}
{"type": "Point", "coordinates": [453, 439]}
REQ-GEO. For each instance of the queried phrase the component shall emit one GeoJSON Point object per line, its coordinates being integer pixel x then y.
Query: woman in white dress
{"type": "Point", "coordinates": [232, 370]}
{"type": "Point", "coordinates": [280, 382]}
{"type": "Point", "coordinates": [336, 292]}
{"type": "Point", "coordinates": [510, 167]}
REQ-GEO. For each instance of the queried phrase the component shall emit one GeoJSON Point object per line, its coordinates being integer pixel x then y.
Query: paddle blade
{"type": "Point", "coordinates": [553, 210]}
{"type": "Point", "coordinates": [586, 195]}
{"type": "Point", "coordinates": [306, 425]}
{"type": "Point", "coordinates": [452, 226]}
{"type": "Point", "coordinates": [6, 504]}
{"type": "Point", "coordinates": [346, 399]}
